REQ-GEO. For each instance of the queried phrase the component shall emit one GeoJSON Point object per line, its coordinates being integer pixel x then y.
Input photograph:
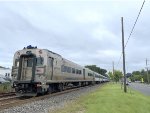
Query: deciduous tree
{"type": "Point", "coordinates": [97, 69]}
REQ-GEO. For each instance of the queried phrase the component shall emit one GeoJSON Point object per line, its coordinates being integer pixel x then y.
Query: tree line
{"type": "Point", "coordinates": [97, 69]}
{"type": "Point", "coordinates": [140, 76]}
{"type": "Point", "coordinates": [117, 75]}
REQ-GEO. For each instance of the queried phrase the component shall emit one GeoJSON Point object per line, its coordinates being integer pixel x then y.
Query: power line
{"type": "Point", "coordinates": [134, 24]}
{"type": "Point", "coordinates": [119, 60]}
{"type": "Point", "coordinates": [132, 30]}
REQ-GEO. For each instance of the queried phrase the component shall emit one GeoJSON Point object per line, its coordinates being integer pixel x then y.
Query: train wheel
{"type": "Point", "coordinates": [60, 87]}
{"type": "Point", "coordinates": [50, 89]}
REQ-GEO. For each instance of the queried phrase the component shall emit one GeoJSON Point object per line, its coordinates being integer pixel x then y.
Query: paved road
{"type": "Point", "coordinates": [144, 88]}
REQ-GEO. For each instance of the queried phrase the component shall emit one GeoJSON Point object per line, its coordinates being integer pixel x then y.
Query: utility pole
{"type": "Point", "coordinates": [147, 72]}
{"type": "Point", "coordinates": [113, 69]}
{"type": "Point", "coordinates": [123, 53]}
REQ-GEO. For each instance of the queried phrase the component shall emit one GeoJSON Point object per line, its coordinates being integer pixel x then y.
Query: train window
{"type": "Point", "coordinates": [29, 62]}
{"type": "Point", "coordinates": [80, 72]}
{"type": "Point", "coordinates": [17, 62]}
{"type": "Point", "coordinates": [39, 61]}
{"type": "Point", "coordinates": [69, 69]}
{"type": "Point", "coordinates": [73, 70]}
{"type": "Point", "coordinates": [96, 76]}
{"type": "Point", "coordinates": [77, 71]}
{"type": "Point", "coordinates": [89, 74]}
{"type": "Point", "coordinates": [64, 68]}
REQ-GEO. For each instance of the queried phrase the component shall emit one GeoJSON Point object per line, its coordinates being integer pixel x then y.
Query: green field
{"type": "Point", "coordinates": [109, 99]}
{"type": "Point", "coordinates": [5, 87]}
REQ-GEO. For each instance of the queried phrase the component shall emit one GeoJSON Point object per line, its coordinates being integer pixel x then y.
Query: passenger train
{"type": "Point", "coordinates": [38, 71]}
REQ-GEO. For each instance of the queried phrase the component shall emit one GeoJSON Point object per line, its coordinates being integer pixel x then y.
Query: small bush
{"type": "Point", "coordinates": [5, 87]}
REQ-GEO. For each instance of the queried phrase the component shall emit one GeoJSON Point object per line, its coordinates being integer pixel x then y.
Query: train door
{"type": "Point", "coordinates": [51, 63]}
{"type": "Point", "coordinates": [84, 74]}
{"type": "Point", "coordinates": [27, 68]}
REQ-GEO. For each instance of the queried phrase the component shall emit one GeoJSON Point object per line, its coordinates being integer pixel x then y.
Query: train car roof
{"type": "Point", "coordinates": [52, 52]}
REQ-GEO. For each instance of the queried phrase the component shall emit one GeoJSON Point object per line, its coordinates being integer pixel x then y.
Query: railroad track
{"type": "Point", "coordinates": [16, 101]}
{"type": "Point", "coordinates": [8, 100]}
{"type": "Point", "coordinates": [2, 95]}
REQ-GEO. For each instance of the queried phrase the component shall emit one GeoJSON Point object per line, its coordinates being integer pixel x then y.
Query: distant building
{"type": "Point", "coordinates": [5, 72]}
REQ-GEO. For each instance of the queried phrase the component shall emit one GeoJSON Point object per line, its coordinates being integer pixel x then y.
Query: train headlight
{"type": "Point", "coordinates": [38, 84]}
{"type": "Point", "coordinates": [18, 53]}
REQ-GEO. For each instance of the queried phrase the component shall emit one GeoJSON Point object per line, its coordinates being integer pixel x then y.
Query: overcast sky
{"type": "Point", "coordinates": [85, 32]}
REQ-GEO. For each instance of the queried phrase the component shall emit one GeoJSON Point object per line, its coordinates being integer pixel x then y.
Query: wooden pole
{"type": "Point", "coordinates": [123, 53]}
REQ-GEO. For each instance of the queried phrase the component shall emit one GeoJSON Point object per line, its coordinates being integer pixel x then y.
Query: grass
{"type": "Point", "coordinates": [5, 87]}
{"type": "Point", "coordinates": [109, 99]}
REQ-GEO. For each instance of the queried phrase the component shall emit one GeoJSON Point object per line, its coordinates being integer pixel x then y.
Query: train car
{"type": "Point", "coordinates": [38, 71]}
{"type": "Point", "coordinates": [89, 76]}
{"type": "Point", "coordinates": [105, 79]}
{"type": "Point", "coordinates": [98, 78]}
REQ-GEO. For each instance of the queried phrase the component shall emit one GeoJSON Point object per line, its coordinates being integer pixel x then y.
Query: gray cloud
{"type": "Point", "coordinates": [83, 32]}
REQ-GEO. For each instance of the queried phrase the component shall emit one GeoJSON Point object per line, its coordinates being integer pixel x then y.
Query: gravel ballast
{"type": "Point", "coordinates": [50, 104]}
